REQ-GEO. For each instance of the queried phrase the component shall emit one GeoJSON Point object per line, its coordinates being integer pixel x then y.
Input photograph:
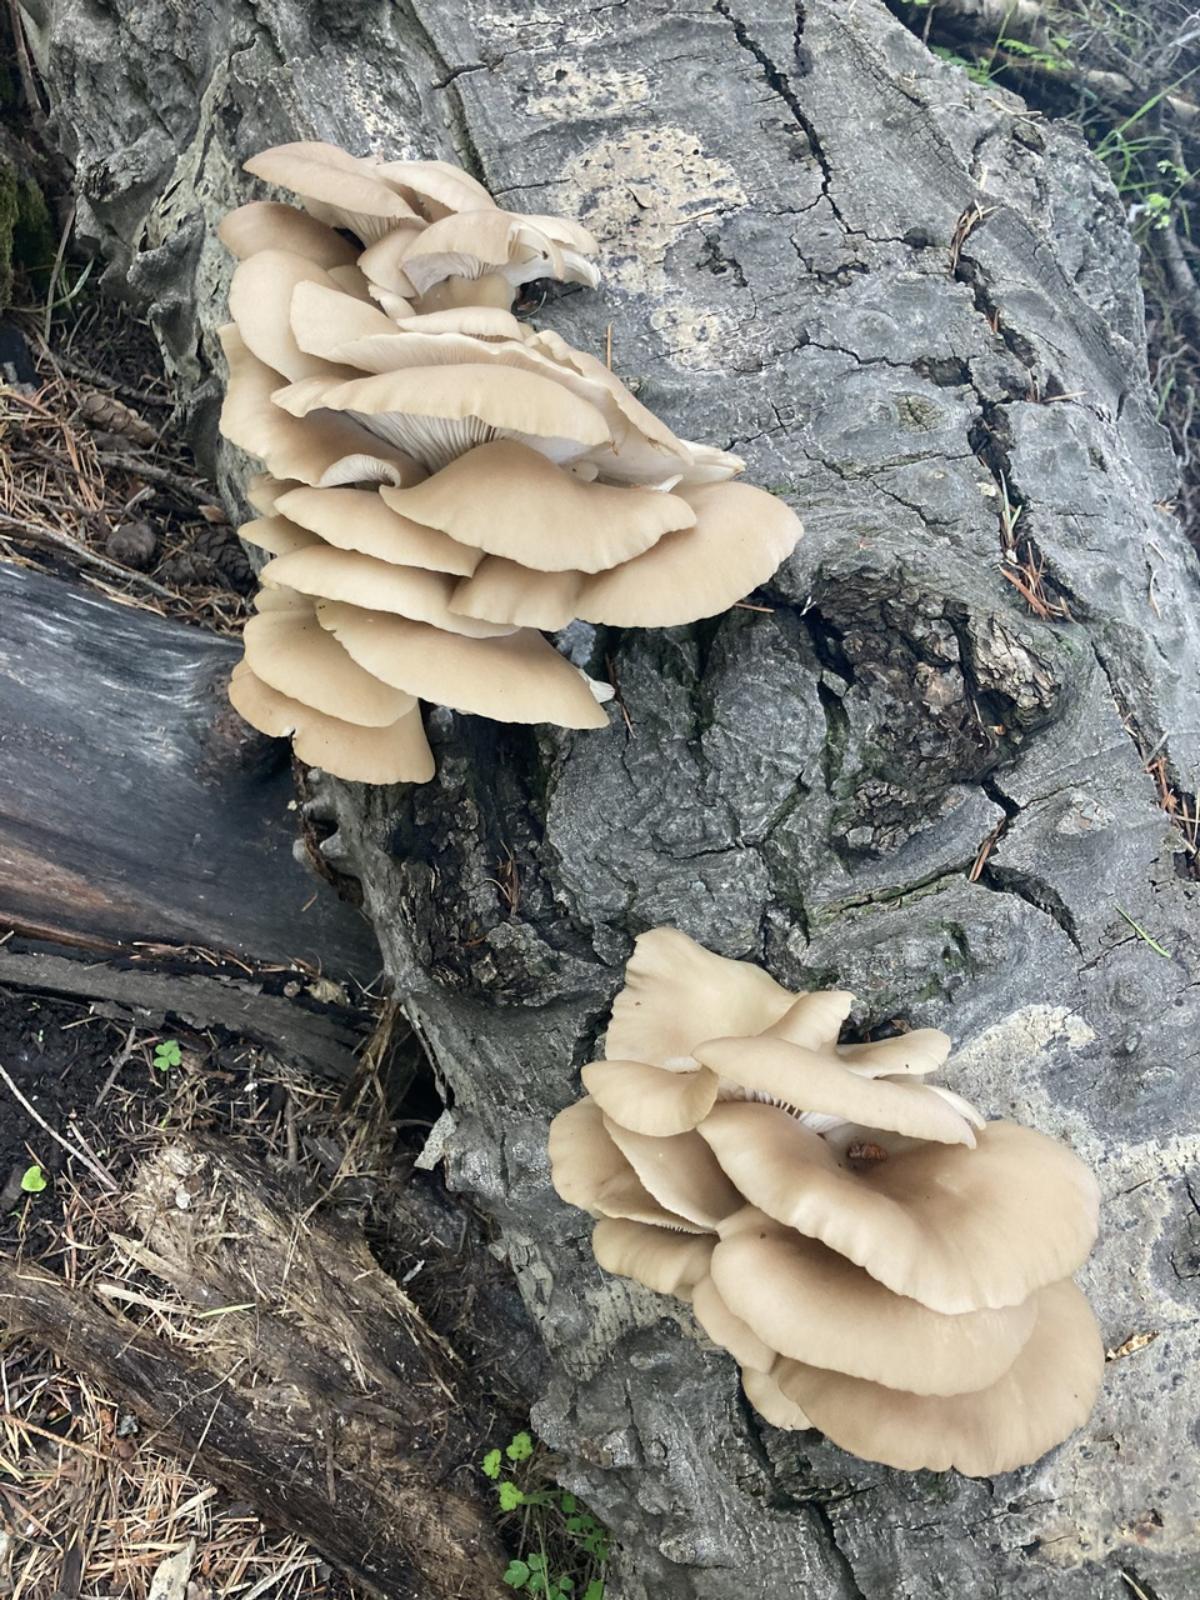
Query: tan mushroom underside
{"type": "Point", "coordinates": [1045, 1395]}
{"type": "Point", "coordinates": [517, 678]}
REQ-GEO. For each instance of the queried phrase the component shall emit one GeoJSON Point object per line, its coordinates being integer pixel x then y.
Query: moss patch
{"type": "Point", "coordinates": [26, 234]}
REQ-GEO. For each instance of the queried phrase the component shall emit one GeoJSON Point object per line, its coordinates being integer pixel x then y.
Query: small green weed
{"type": "Point", "coordinates": [167, 1055]}
{"type": "Point", "coordinates": [34, 1180]}
{"type": "Point", "coordinates": [563, 1548]}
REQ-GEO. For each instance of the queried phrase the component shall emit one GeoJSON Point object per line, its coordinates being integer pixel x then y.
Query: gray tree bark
{"type": "Point", "coordinates": [914, 308]}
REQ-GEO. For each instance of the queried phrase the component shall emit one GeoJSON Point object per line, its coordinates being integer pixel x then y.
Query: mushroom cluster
{"type": "Point", "coordinates": [445, 484]}
{"type": "Point", "coordinates": [882, 1263]}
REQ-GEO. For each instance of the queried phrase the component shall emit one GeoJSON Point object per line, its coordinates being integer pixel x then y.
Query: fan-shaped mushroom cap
{"type": "Point", "coordinates": [358, 519]}
{"type": "Point", "coordinates": [383, 265]}
{"type": "Point", "coordinates": [276, 535]}
{"type": "Point", "coordinates": [291, 653]}
{"type": "Point", "coordinates": [769, 1400]}
{"type": "Point", "coordinates": [814, 1020]}
{"type": "Point", "coordinates": [438, 413]}
{"type": "Point", "coordinates": [651, 1100]}
{"type": "Point", "coordinates": [508, 592]}
{"type": "Point", "coordinates": [260, 296]}
{"type": "Point", "coordinates": [435, 188]}
{"type": "Point", "coordinates": [922, 1051]}
{"type": "Point", "coordinates": [813, 1305]}
{"type": "Point", "coordinates": [564, 231]}
{"type": "Point", "coordinates": [335, 187]}
{"type": "Point", "coordinates": [263, 492]}
{"type": "Point", "coordinates": [681, 1173]}
{"type": "Point", "coordinates": [809, 1080]}
{"type": "Point", "coordinates": [740, 536]}
{"type": "Point", "coordinates": [1044, 1396]}
{"type": "Point", "coordinates": [274, 598]}
{"type": "Point", "coordinates": [677, 994]}
{"type": "Point", "coordinates": [583, 1158]}
{"type": "Point", "coordinates": [475, 322]}
{"type": "Point", "coordinates": [671, 1263]}
{"type": "Point", "coordinates": [510, 501]}
{"type": "Point", "coordinates": [954, 1228]}
{"type": "Point", "coordinates": [398, 753]}
{"type": "Point", "coordinates": [351, 281]}
{"type": "Point", "coordinates": [325, 449]}
{"type": "Point", "coordinates": [729, 1331]}
{"type": "Point", "coordinates": [328, 573]}
{"type": "Point", "coordinates": [517, 678]}
{"type": "Point", "coordinates": [269, 225]}
{"type": "Point", "coordinates": [324, 318]}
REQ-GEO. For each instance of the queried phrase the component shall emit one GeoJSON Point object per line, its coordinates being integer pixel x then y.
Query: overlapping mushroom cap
{"type": "Point", "coordinates": [444, 482]}
{"type": "Point", "coordinates": [882, 1263]}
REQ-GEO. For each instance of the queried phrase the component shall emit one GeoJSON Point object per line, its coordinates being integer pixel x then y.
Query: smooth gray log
{"type": "Point", "coordinates": [135, 806]}
{"type": "Point", "coordinates": [914, 308]}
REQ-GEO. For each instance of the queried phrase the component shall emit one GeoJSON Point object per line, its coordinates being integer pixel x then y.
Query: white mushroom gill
{"type": "Point", "coordinates": [444, 482]}
{"type": "Point", "coordinates": [881, 1262]}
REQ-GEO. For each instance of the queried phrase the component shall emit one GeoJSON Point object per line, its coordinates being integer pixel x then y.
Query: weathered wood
{"type": "Point", "coordinates": [311, 1387]}
{"type": "Point", "coordinates": [134, 805]}
{"type": "Point", "coordinates": [915, 310]}
{"type": "Point", "coordinates": [321, 1038]}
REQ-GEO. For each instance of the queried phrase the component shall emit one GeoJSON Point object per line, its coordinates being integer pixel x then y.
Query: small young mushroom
{"type": "Point", "coordinates": [880, 1261]}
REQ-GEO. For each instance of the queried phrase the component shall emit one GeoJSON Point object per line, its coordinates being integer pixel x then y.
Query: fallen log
{"type": "Point", "coordinates": [302, 1378]}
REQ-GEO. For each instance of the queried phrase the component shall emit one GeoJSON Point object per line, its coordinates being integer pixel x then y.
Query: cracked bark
{"type": "Point", "coordinates": [810, 785]}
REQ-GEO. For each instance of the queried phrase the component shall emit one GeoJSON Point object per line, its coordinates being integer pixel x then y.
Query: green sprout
{"type": "Point", "coordinates": [34, 1180]}
{"type": "Point", "coordinates": [562, 1548]}
{"type": "Point", "coordinates": [167, 1055]}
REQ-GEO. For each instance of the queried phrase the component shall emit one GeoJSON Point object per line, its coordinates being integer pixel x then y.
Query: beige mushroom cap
{"type": "Point", "coordinates": [435, 188]}
{"type": "Point", "coordinates": [918, 1053]}
{"type": "Point", "coordinates": [769, 1400]}
{"type": "Point", "coordinates": [517, 678]}
{"type": "Point", "coordinates": [677, 994]}
{"type": "Point", "coordinates": [813, 1305]}
{"type": "Point", "coordinates": [292, 654]}
{"type": "Point", "coordinates": [260, 300]}
{"type": "Point", "coordinates": [263, 492]}
{"type": "Point", "coordinates": [438, 413]}
{"type": "Point", "coordinates": [510, 501]}
{"type": "Point", "coordinates": [269, 225]}
{"type": "Point", "coordinates": [398, 753]}
{"type": "Point", "coordinates": [327, 573]}
{"type": "Point", "coordinates": [335, 187]}
{"type": "Point", "coordinates": [729, 1331]}
{"type": "Point", "coordinates": [323, 319]}
{"type": "Point", "coordinates": [359, 519]}
{"type": "Point", "coordinates": [651, 1100]}
{"type": "Point", "coordinates": [681, 1173]}
{"type": "Point", "coordinates": [1044, 1396]}
{"type": "Point", "coordinates": [815, 1020]}
{"type": "Point", "coordinates": [320, 450]}
{"type": "Point", "coordinates": [583, 1158]}
{"type": "Point", "coordinates": [956, 1229]}
{"type": "Point", "coordinates": [671, 1263]}
{"type": "Point", "coordinates": [740, 536]}
{"type": "Point", "coordinates": [383, 266]}
{"type": "Point", "coordinates": [808, 1080]}
{"type": "Point", "coordinates": [506, 591]}
{"type": "Point", "coordinates": [277, 535]}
